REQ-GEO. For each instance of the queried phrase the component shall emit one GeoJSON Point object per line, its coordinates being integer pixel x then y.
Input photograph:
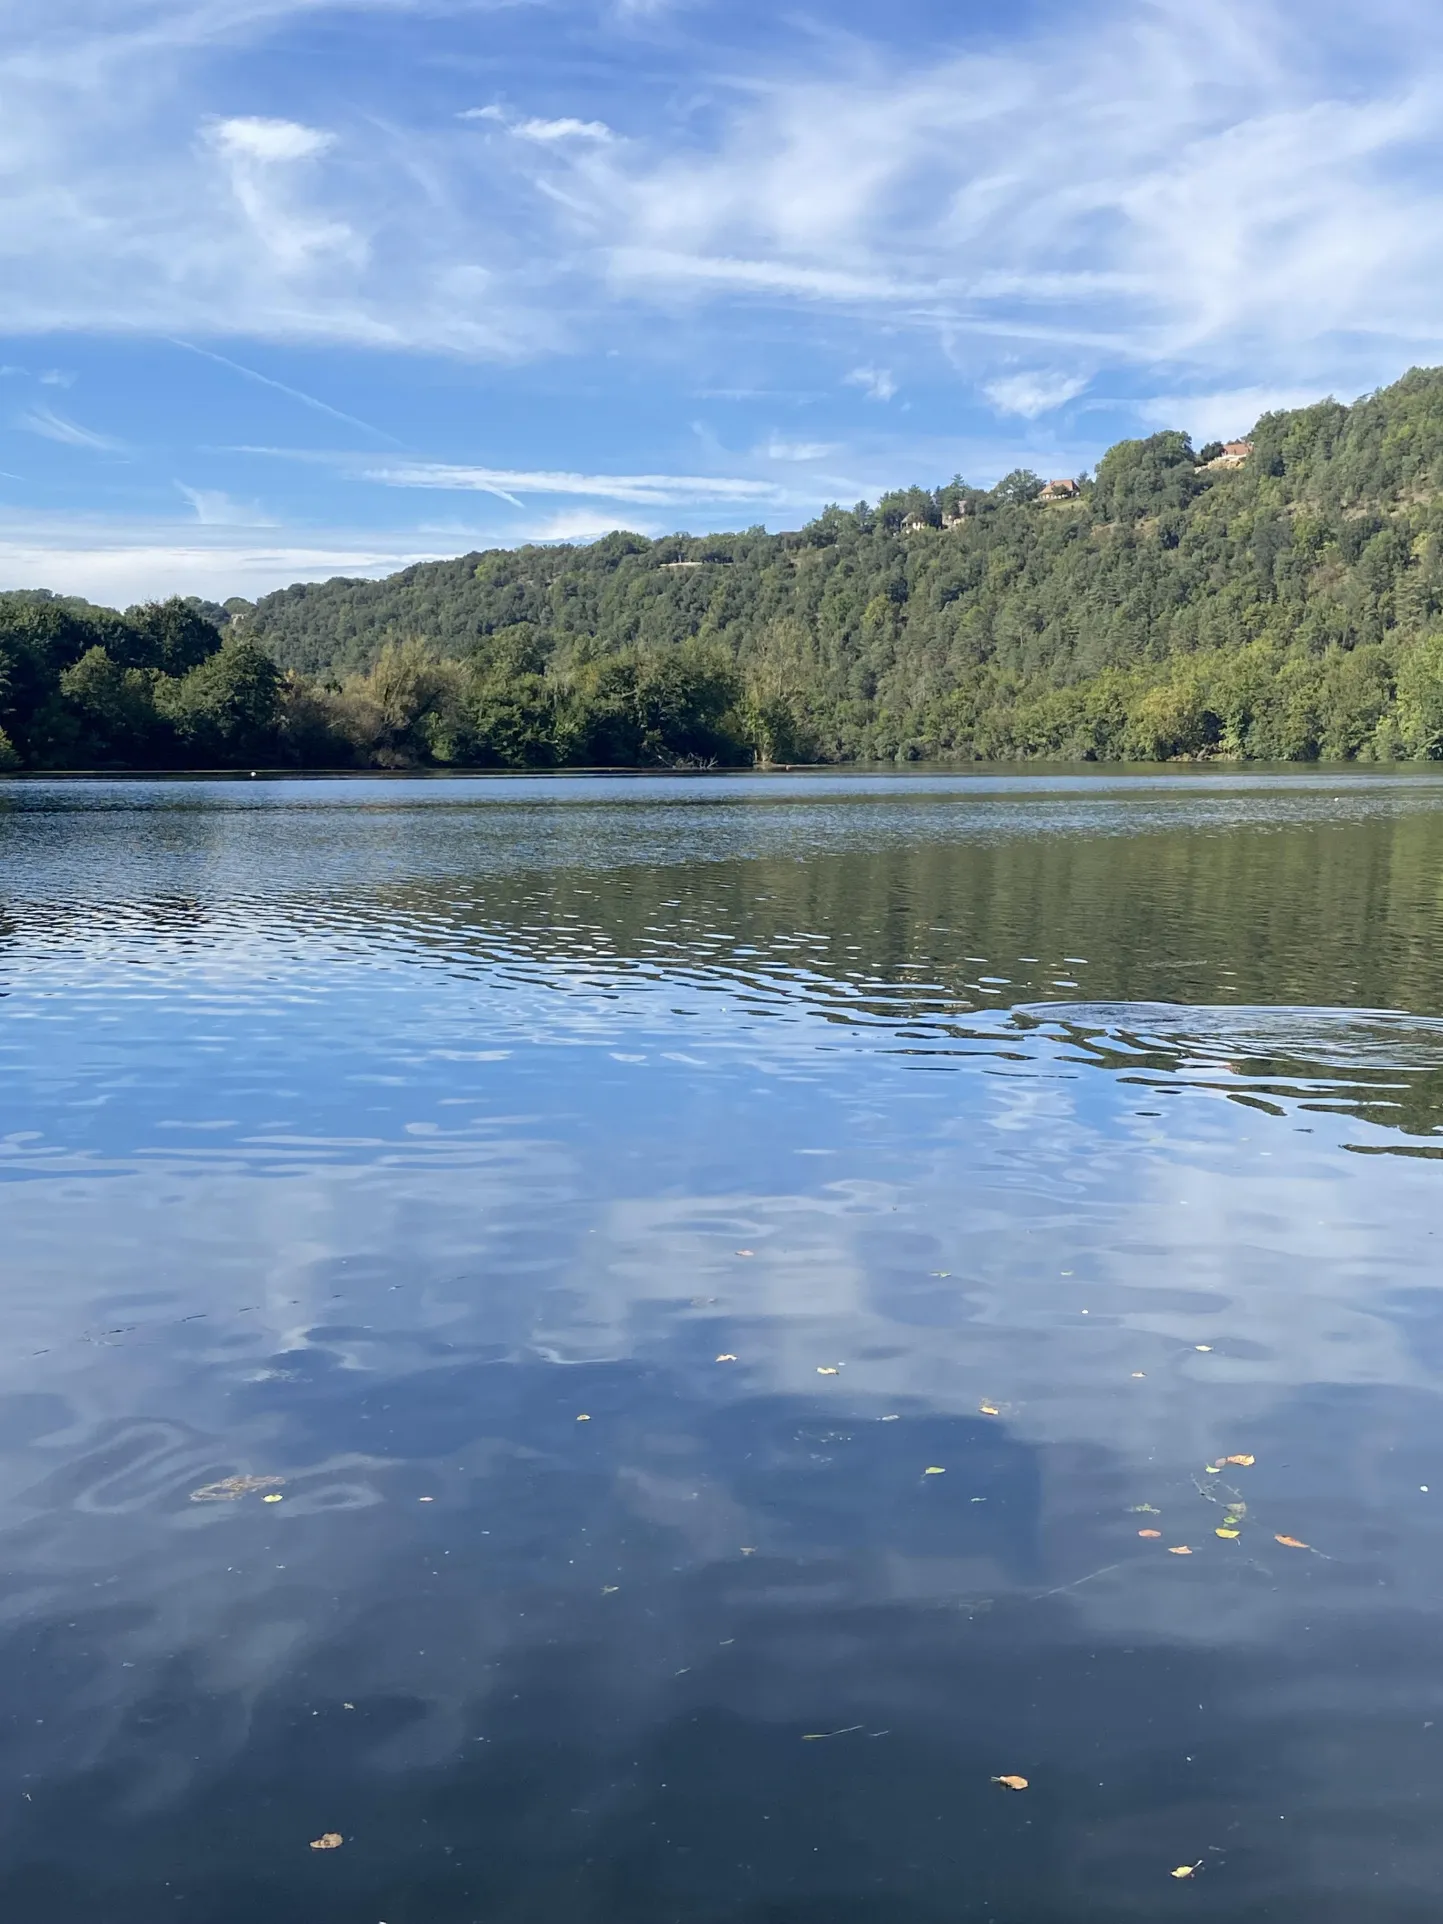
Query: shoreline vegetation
{"type": "Point", "coordinates": [1282, 603]}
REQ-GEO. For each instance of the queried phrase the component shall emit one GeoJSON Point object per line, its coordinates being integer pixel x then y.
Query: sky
{"type": "Point", "coordinates": [291, 288]}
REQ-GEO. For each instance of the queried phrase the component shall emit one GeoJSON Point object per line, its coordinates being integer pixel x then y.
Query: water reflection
{"type": "Point", "coordinates": [433, 1163]}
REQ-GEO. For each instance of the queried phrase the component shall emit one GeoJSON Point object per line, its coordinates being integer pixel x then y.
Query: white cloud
{"type": "Point", "coordinates": [647, 490]}
{"type": "Point", "coordinates": [1222, 416]}
{"type": "Point", "coordinates": [216, 509]}
{"type": "Point", "coordinates": [776, 449]}
{"type": "Point", "coordinates": [877, 383]}
{"type": "Point", "coordinates": [1034, 393]}
{"type": "Point", "coordinates": [269, 141]}
{"type": "Point", "coordinates": [51, 426]}
{"type": "Point", "coordinates": [547, 130]}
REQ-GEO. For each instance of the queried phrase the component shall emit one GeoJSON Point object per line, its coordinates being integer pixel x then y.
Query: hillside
{"type": "Point", "coordinates": [1286, 608]}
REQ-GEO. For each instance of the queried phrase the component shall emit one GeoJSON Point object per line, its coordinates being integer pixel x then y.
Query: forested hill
{"type": "Point", "coordinates": [1172, 607]}
{"type": "Point", "coordinates": [1284, 603]}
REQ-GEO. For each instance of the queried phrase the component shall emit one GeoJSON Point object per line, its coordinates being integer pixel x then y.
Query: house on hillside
{"type": "Point", "coordinates": [915, 523]}
{"type": "Point", "coordinates": [958, 515]}
{"type": "Point", "coordinates": [1060, 491]}
{"type": "Point", "coordinates": [1233, 455]}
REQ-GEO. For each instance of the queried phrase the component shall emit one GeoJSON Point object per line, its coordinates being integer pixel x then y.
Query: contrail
{"type": "Point", "coordinates": [307, 400]}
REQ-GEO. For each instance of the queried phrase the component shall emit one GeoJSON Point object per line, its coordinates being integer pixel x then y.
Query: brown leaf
{"type": "Point", "coordinates": [1179, 1550]}
{"type": "Point", "coordinates": [332, 1841]}
{"type": "Point", "coordinates": [1149, 1533]}
{"type": "Point", "coordinates": [1292, 1543]}
{"type": "Point", "coordinates": [1011, 1783]}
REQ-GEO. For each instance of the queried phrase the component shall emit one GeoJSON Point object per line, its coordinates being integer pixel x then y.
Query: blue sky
{"type": "Point", "coordinates": [291, 288]}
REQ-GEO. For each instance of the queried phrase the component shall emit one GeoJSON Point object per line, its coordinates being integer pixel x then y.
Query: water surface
{"type": "Point", "coordinates": [723, 1271]}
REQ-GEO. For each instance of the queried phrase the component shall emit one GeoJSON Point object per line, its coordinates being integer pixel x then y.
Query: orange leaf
{"type": "Point", "coordinates": [1179, 1550]}
{"type": "Point", "coordinates": [1149, 1533]}
{"type": "Point", "coordinates": [332, 1841]}
{"type": "Point", "coordinates": [1246, 1461]}
{"type": "Point", "coordinates": [1292, 1543]}
{"type": "Point", "coordinates": [1012, 1783]}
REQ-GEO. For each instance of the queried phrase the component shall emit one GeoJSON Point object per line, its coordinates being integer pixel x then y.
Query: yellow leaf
{"type": "Point", "coordinates": [726, 1358]}
{"type": "Point", "coordinates": [826, 1369]}
{"type": "Point", "coordinates": [934, 1471]}
{"type": "Point", "coordinates": [583, 1419]}
{"type": "Point", "coordinates": [332, 1841]}
{"type": "Point", "coordinates": [1292, 1543]}
{"type": "Point", "coordinates": [1205, 1349]}
{"type": "Point", "coordinates": [1185, 1870]}
{"type": "Point", "coordinates": [988, 1409]}
{"type": "Point", "coordinates": [1229, 1534]}
{"type": "Point", "coordinates": [1246, 1461]}
{"type": "Point", "coordinates": [1179, 1550]}
{"type": "Point", "coordinates": [1211, 1469]}
{"type": "Point", "coordinates": [1149, 1533]}
{"type": "Point", "coordinates": [274, 1497]}
{"type": "Point", "coordinates": [1012, 1783]}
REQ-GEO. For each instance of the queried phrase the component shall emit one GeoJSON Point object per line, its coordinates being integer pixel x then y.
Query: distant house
{"type": "Point", "coordinates": [1233, 455]}
{"type": "Point", "coordinates": [958, 515]}
{"type": "Point", "coordinates": [915, 523]}
{"type": "Point", "coordinates": [1060, 491]}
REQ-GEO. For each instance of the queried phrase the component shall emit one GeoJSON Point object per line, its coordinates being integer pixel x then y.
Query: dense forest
{"type": "Point", "coordinates": [1287, 607]}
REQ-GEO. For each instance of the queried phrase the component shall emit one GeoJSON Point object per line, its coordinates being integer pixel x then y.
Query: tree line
{"type": "Point", "coordinates": [1288, 609]}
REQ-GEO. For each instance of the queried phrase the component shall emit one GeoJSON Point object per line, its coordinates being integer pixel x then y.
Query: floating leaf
{"type": "Point", "coordinates": [1292, 1543]}
{"type": "Point", "coordinates": [1203, 1349]}
{"type": "Point", "coordinates": [1149, 1533]}
{"type": "Point", "coordinates": [1145, 1509]}
{"type": "Point", "coordinates": [935, 1470]}
{"type": "Point", "coordinates": [1011, 1783]}
{"type": "Point", "coordinates": [232, 1487]}
{"type": "Point", "coordinates": [583, 1419]}
{"type": "Point", "coordinates": [1136, 1374]}
{"type": "Point", "coordinates": [826, 1369]}
{"type": "Point", "coordinates": [1246, 1461]}
{"type": "Point", "coordinates": [746, 1252]}
{"type": "Point", "coordinates": [274, 1497]}
{"type": "Point", "coordinates": [610, 1589]}
{"type": "Point", "coordinates": [1187, 1870]}
{"type": "Point", "coordinates": [749, 1549]}
{"type": "Point", "coordinates": [726, 1357]}
{"type": "Point", "coordinates": [1237, 1509]}
{"type": "Point", "coordinates": [891, 1419]}
{"type": "Point", "coordinates": [1229, 1534]}
{"type": "Point", "coordinates": [1179, 1550]}
{"type": "Point", "coordinates": [1212, 1469]}
{"type": "Point", "coordinates": [988, 1409]}
{"type": "Point", "coordinates": [332, 1841]}
{"type": "Point", "coordinates": [819, 1736]}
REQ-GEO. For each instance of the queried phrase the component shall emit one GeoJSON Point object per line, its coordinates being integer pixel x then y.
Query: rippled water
{"type": "Point", "coordinates": [724, 1271]}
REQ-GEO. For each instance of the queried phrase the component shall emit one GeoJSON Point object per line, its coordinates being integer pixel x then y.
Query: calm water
{"type": "Point", "coordinates": [726, 1271]}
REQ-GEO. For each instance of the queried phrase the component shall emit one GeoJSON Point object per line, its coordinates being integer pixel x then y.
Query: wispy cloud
{"type": "Point", "coordinates": [776, 449]}
{"type": "Point", "coordinates": [877, 383]}
{"type": "Point", "coordinates": [646, 490]}
{"type": "Point", "coordinates": [293, 393]}
{"type": "Point", "coordinates": [269, 141]}
{"type": "Point", "coordinates": [567, 129]}
{"type": "Point", "coordinates": [216, 509]}
{"type": "Point", "coordinates": [51, 426]}
{"type": "Point", "coordinates": [1035, 393]}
